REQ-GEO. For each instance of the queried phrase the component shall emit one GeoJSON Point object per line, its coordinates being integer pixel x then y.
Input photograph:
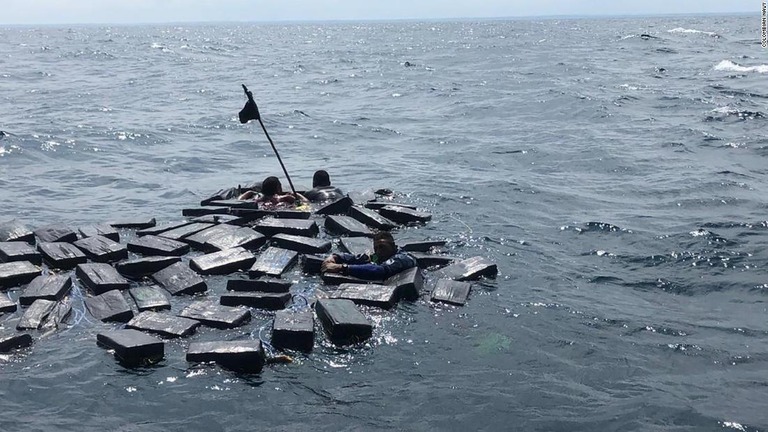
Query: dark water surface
{"type": "Point", "coordinates": [619, 182]}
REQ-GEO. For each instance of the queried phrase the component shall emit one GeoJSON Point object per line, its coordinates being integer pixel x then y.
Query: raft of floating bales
{"type": "Point", "coordinates": [126, 271]}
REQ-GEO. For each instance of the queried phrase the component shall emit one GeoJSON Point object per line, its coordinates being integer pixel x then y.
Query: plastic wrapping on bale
{"type": "Point", "coordinates": [55, 233]}
{"type": "Point", "coordinates": [132, 347]}
{"type": "Point", "coordinates": [273, 262]}
{"type": "Point", "coordinates": [19, 251]}
{"type": "Point", "coordinates": [110, 306]}
{"type": "Point", "coordinates": [17, 273]}
{"type": "Point", "coordinates": [153, 245]}
{"type": "Point", "coordinates": [371, 218]}
{"type": "Point", "coordinates": [248, 355]}
{"type": "Point", "coordinates": [62, 255]}
{"type": "Point", "coordinates": [305, 245]}
{"type": "Point", "coordinates": [165, 325]}
{"type": "Point", "coordinates": [104, 230]}
{"type": "Point", "coordinates": [294, 330]}
{"type": "Point", "coordinates": [345, 225]}
{"type": "Point", "coordinates": [223, 262]}
{"type": "Point", "coordinates": [102, 249]}
{"type": "Point", "coordinates": [47, 287]}
{"type": "Point", "coordinates": [179, 279]}
{"type": "Point", "coordinates": [343, 322]}
{"type": "Point", "coordinates": [100, 278]}
{"type": "Point", "coordinates": [14, 230]}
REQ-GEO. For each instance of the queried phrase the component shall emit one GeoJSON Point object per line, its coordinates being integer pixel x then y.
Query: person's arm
{"type": "Point", "coordinates": [392, 266]}
{"type": "Point", "coordinates": [338, 263]}
{"type": "Point", "coordinates": [246, 195]}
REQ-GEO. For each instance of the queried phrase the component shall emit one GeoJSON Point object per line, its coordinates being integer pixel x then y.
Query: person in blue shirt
{"type": "Point", "coordinates": [386, 260]}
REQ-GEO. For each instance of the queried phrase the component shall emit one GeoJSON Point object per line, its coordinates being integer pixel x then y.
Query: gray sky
{"type": "Point", "coordinates": [154, 11]}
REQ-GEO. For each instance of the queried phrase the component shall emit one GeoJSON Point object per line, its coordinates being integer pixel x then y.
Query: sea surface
{"type": "Point", "coordinates": [619, 181]}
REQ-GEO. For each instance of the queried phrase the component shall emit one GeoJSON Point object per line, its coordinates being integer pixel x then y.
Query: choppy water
{"type": "Point", "coordinates": [619, 182]}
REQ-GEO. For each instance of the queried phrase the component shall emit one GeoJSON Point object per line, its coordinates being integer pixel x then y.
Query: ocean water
{"type": "Point", "coordinates": [620, 183]}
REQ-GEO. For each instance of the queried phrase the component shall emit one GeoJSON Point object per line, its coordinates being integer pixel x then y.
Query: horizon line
{"type": "Point", "coordinates": [351, 20]}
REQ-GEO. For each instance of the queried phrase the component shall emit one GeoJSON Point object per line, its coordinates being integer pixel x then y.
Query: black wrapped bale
{"type": "Point", "coordinates": [338, 207]}
{"type": "Point", "coordinates": [233, 203]}
{"type": "Point", "coordinates": [102, 249]}
{"type": "Point", "coordinates": [422, 246]}
{"type": "Point", "coordinates": [140, 267]}
{"type": "Point", "coordinates": [11, 341]}
{"type": "Point", "coordinates": [311, 264]}
{"type": "Point", "coordinates": [7, 305]}
{"type": "Point", "coordinates": [273, 262]}
{"type": "Point", "coordinates": [132, 347]}
{"type": "Point", "coordinates": [134, 223]}
{"type": "Point", "coordinates": [110, 306]}
{"type": "Point", "coordinates": [377, 205]}
{"type": "Point", "coordinates": [249, 215]}
{"type": "Point", "coordinates": [256, 299]}
{"type": "Point", "coordinates": [55, 233]}
{"type": "Point", "coordinates": [451, 292]}
{"type": "Point", "coordinates": [179, 279]}
{"type": "Point", "coordinates": [427, 260]}
{"type": "Point", "coordinates": [35, 314]}
{"type": "Point", "coordinates": [62, 255]}
{"type": "Point", "coordinates": [100, 278]}
{"type": "Point", "coordinates": [404, 215]}
{"type": "Point", "coordinates": [215, 315]}
{"type": "Point", "coordinates": [248, 355]}
{"type": "Point", "coordinates": [198, 239]}
{"type": "Point", "coordinates": [46, 287]}
{"type": "Point", "coordinates": [357, 245]}
{"type": "Point", "coordinates": [407, 283]}
{"type": "Point", "coordinates": [223, 194]}
{"type": "Point", "coordinates": [19, 251]}
{"type": "Point", "coordinates": [381, 296]}
{"type": "Point", "coordinates": [217, 219]}
{"type": "Point", "coordinates": [294, 330]}
{"type": "Point", "coordinates": [371, 218]}
{"type": "Point", "coordinates": [204, 211]}
{"type": "Point", "coordinates": [104, 230]}
{"type": "Point", "coordinates": [242, 237]}
{"type": "Point", "coordinates": [338, 279]}
{"type": "Point", "coordinates": [263, 284]}
{"type": "Point", "coordinates": [13, 230]}
{"type": "Point", "coordinates": [153, 245]}
{"type": "Point", "coordinates": [150, 298]}
{"type": "Point", "coordinates": [223, 262]}
{"type": "Point", "coordinates": [164, 325]}
{"type": "Point", "coordinates": [17, 273]}
{"type": "Point", "coordinates": [290, 214]}
{"type": "Point", "coordinates": [157, 230]}
{"type": "Point", "coordinates": [184, 231]}
{"type": "Point", "coordinates": [306, 245]}
{"type": "Point", "coordinates": [274, 226]}
{"type": "Point", "coordinates": [342, 321]}
{"type": "Point", "coordinates": [468, 269]}
{"type": "Point", "coordinates": [345, 225]}
{"type": "Point", "coordinates": [58, 315]}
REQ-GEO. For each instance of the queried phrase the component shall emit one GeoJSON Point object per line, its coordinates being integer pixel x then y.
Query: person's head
{"type": "Point", "coordinates": [384, 245]}
{"type": "Point", "coordinates": [321, 178]}
{"type": "Point", "coordinates": [271, 186]}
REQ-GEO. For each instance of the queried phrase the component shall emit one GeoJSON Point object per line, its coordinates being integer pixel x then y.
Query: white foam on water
{"type": "Point", "coordinates": [685, 30]}
{"type": "Point", "coordinates": [727, 65]}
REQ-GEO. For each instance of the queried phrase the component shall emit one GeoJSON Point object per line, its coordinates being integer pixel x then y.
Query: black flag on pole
{"type": "Point", "coordinates": [250, 111]}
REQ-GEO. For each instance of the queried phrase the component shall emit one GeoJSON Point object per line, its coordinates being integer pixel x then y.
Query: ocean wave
{"type": "Point", "coordinates": [727, 65]}
{"type": "Point", "coordinates": [685, 30]}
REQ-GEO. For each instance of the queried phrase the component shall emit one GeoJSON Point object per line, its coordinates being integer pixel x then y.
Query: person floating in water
{"type": "Point", "coordinates": [322, 189]}
{"type": "Point", "coordinates": [386, 260]}
{"type": "Point", "coordinates": [272, 194]}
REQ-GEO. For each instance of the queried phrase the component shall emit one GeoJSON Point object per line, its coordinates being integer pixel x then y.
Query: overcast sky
{"type": "Point", "coordinates": [154, 11]}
